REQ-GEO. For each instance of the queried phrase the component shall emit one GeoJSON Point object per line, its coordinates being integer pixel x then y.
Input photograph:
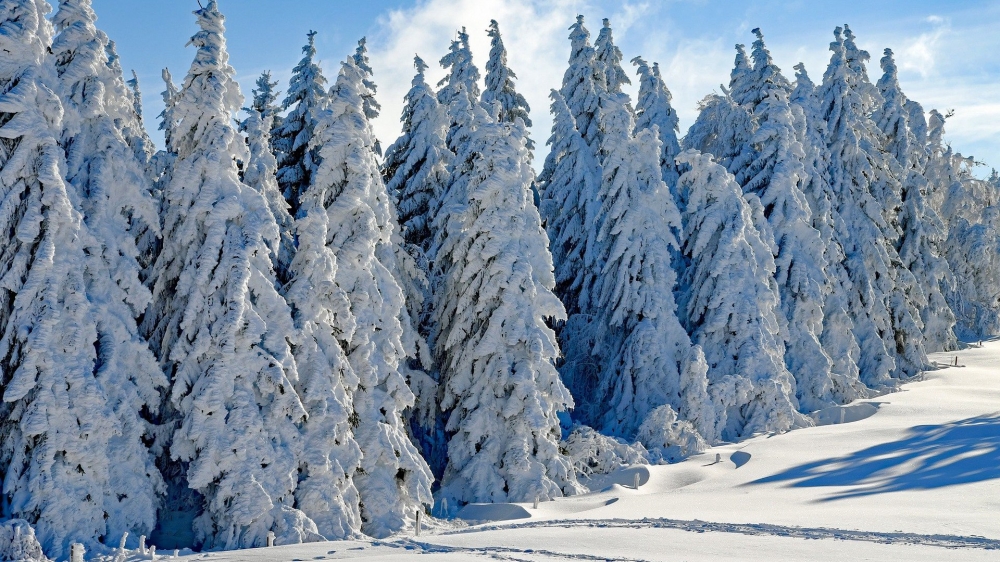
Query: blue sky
{"type": "Point", "coordinates": [946, 50]}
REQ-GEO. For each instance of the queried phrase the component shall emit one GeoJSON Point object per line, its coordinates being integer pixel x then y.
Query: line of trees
{"type": "Point", "coordinates": [271, 326]}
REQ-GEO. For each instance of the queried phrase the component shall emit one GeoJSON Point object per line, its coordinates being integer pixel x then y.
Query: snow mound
{"type": "Point", "coordinates": [18, 543]}
{"type": "Point", "coordinates": [845, 414]}
{"type": "Point", "coordinates": [493, 512]}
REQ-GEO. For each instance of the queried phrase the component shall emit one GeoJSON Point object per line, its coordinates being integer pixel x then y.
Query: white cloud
{"type": "Point", "coordinates": [535, 33]}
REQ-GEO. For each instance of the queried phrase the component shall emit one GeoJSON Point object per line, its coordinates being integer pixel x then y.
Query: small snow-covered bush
{"type": "Point", "coordinates": [668, 438]}
{"type": "Point", "coordinates": [18, 542]}
{"type": "Point", "coordinates": [593, 453]}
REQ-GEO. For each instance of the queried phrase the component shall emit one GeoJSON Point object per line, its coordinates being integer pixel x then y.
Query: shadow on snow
{"type": "Point", "coordinates": [932, 456]}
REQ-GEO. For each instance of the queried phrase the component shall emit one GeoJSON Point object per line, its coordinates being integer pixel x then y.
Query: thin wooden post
{"type": "Point", "coordinates": [76, 552]}
{"type": "Point", "coordinates": [152, 552]}
{"type": "Point", "coordinates": [536, 502]}
{"type": "Point", "coordinates": [270, 538]}
{"type": "Point", "coordinates": [635, 481]}
{"type": "Point", "coordinates": [142, 544]}
{"type": "Point", "coordinates": [718, 457]}
{"type": "Point", "coordinates": [416, 527]}
{"type": "Point", "coordinates": [842, 410]}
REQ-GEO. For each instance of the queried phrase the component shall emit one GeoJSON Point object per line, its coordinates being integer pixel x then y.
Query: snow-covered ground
{"type": "Point", "coordinates": [914, 476]}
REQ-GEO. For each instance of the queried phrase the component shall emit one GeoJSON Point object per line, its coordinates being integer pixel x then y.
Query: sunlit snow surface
{"type": "Point", "coordinates": [915, 478]}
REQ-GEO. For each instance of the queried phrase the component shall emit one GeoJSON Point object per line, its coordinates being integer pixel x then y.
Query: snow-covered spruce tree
{"type": "Point", "coordinates": [260, 173]}
{"type": "Point", "coordinates": [646, 357]}
{"type": "Point", "coordinates": [568, 184]}
{"type": "Point", "coordinates": [372, 107]}
{"type": "Point", "coordinates": [330, 455]}
{"type": "Point", "coordinates": [723, 129]}
{"type": "Point", "coordinates": [496, 353]}
{"type": "Point", "coordinates": [58, 421]}
{"type": "Point", "coordinates": [462, 79]}
{"type": "Point", "coordinates": [135, 131]}
{"type": "Point", "coordinates": [168, 121]}
{"type": "Point", "coordinates": [265, 98]}
{"type": "Point", "coordinates": [393, 479]}
{"type": "Point", "coordinates": [922, 232]}
{"type": "Point", "coordinates": [653, 108]}
{"type": "Point", "coordinates": [111, 189]}
{"type": "Point", "coordinates": [741, 78]}
{"type": "Point", "coordinates": [219, 325]}
{"type": "Point", "coordinates": [887, 333]}
{"type": "Point", "coordinates": [416, 164]}
{"type": "Point", "coordinates": [500, 82]}
{"type": "Point", "coordinates": [292, 137]}
{"type": "Point", "coordinates": [802, 282]}
{"type": "Point", "coordinates": [583, 83]}
{"type": "Point", "coordinates": [767, 77]}
{"type": "Point", "coordinates": [837, 336]}
{"type": "Point", "coordinates": [731, 304]}
{"type": "Point", "coordinates": [971, 211]}
{"type": "Point", "coordinates": [609, 60]}
{"type": "Point", "coordinates": [416, 175]}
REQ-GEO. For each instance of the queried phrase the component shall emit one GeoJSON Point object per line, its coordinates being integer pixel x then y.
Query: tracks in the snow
{"type": "Point", "coordinates": [755, 529]}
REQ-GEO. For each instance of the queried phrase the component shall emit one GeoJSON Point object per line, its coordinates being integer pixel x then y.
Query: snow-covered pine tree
{"type": "Point", "coordinates": [330, 455]}
{"type": "Point", "coordinates": [59, 422]}
{"type": "Point", "coordinates": [609, 60]}
{"type": "Point", "coordinates": [647, 361]}
{"type": "Point", "coordinates": [110, 186]}
{"type": "Point", "coordinates": [462, 79]}
{"type": "Point", "coordinates": [416, 164]}
{"type": "Point", "coordinates": [887, 332]}
{"type": "Point", "coordinates": [416, 175]}
{"type": "Point", "coordinates": [496, 353]}
{"type": "Point", "coordinates": [767, 77]}
{"type": "Point", "coordinates": [500, 82]}
{"type": "Point", "coordinates": [653, 108]}
{"type": "Point", "coordinates": [731, 303]}
{"type": "Point", "coordinates": [583, 83]}
{"type": "Point", "coordinates": [168, 121]}
{"type": "Point", "coordinates": [779, 174]}
{"type": "Point", "coordinates": [741, 78]}
{"type": "Point", "coordinates": [265, 98]}
{"type": "Point", "coordinates": [292, 137]}
{"type": "Point", "coordinates": [219, 325]}
{"type": "Point", "coordinates": [260, 173]}
{"type": "Point", "coordinates": [723, 129]}
{"type": "Point", "coordinates": [372, 107]}
{"type": "Point", "coordinates": [393, 479]}
{"type": "Point", "coordinates": [568, 184]}
{"type": "Point", "coordinates": [969, 209]}
{"type": "Point", "coordinates": [837, 336]}
{"type": "Point", "coordinates": [135, 131]}
{"type": "Point", "coordinates": [922, 232]}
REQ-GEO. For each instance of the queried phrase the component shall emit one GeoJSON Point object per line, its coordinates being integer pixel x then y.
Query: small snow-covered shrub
{"type": "Point", "coordinates": [593, 453]}
{"type": "Point", "coordinates": [668, 438]}
{"type": "Point", "coordinates": [18, 542]}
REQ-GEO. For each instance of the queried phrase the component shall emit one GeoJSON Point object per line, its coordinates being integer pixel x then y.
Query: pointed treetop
{"type": "Point", "coordinates": [463, 76]}
{"type": "Point", "coordinates": [741, 78]}
{"type": "Point", "coordinates": [264, 95]}
{"type": "Point", "coordinates": [372, 107]}
{"type": "Point", "coordinates": [420, 65]}
{"type": "Point", "coordinates": [610, 56]}
{"type": "Point", "coordinates": [133, 85]}
{"type": "Point", "coordinates": [500, 82]}
{"type": "Point", "coordinates": [802, 79]}
{"type": "Point", "coordinates": [767, 75]}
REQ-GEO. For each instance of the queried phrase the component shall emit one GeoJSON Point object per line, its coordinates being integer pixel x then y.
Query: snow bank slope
{"type": "Point", "coordinates": [917, 479]}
